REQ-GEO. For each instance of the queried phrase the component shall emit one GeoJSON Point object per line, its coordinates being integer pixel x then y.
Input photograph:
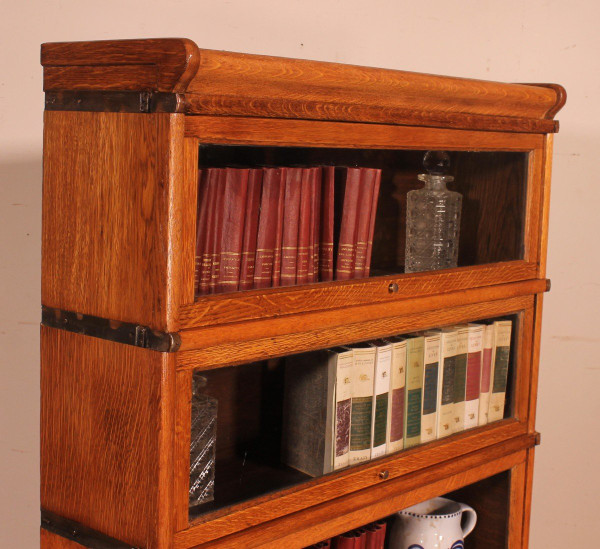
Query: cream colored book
{"type": "Point", "coordinates": [486, 373]}
{"type": "Point", "coordinates": [383, 361]}
{"type": "Point", "coordinates": [361, 416]}
{"type": "Point", "coordinates": [473, 383]}
{"type": "Point", "coordinates": [431, 374]}
{"type": "Point", "coordinates": [344, 360]}
{"type": "Point", "coordinates": [395, 424]}
{"type": "Point", "coordinates": [414, 391]}
{"type": "Point", "coordinates": [502, 333]}
{"type": "Point", "coordinates": [460, 377]}
{"type": "Point", "coordinates": [449, 341]}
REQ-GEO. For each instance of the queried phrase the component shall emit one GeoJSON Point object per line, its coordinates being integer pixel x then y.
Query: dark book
{"type": "Point", "coordinates": [217, 230]}
{"type": "Point", "coordinates": [315, 214]}
{"type": "Point", "coordinates": [372, 220]}
{"type": "Point", "coordinates": [304, 228]}
{"type": "Point", "coordinates": [232, 229]}
{"type": "Point", "coordinates": [363, 220]}
{"type": "Point", "coordinates": [291, 217]}
{"type": "Point", "coordinates": [201, 227]}
{"type": "Point", "coordinates": [280, 221]}
{"type": "Point", "coordinates": [308, 412]}
{"type": "Point", "coordinates": [346, 214]}
{"type": "Point", "coordinates": [267, 227]}
{"type": "Point", "coordinates": [326, 228]}
{"type": "Point", "coordinates": [250, 229]}
{"type": "Point", "coordinates": [209, 197]}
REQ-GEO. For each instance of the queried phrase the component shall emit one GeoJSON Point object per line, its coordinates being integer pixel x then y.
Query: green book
{"type": "Point", "coordinates": [414, 390]}
{"type": "Point", "coordinates": [501, 356]}
{"type": "Point", "coordinates": [460, 377]}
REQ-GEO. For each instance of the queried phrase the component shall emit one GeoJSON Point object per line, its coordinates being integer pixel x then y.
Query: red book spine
{"type": "Point", "coordinates": [304, 229]}
{"type": "Point", "coordinates": [212, 178]}
{"type": "Point", "coordinates": [232, 232]}
{"type": "Point", "coordinates": [365, 197]}
{"type": "Point", "coordinates": [473, 375]}
{"type": "Point", "coordinates": [291, 218]}
{"type": "Point", "coordinates": [201, 212]}
{"type": "Point", "coordinates": [344, 269]}
{"type": "Point", "coordinates": [276, 281]}
{"type": "Point", "coordinates": [267, 225]}
{"type": "Point", "coordinates": [217, 230]}
{"type": "Point", "coordinates": [315, 212]}
{"type": "Point", "coordinates": [326, 225]}
{"type": "Point", "coordinates": [250, 229]}
{"type": "Point", "coordinates": [382, 526]}
{"type": "Point", "coordinates": [372, 220]}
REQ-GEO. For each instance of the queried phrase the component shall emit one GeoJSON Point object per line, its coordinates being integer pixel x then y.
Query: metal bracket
{"type": "Point", "coordinates": [115, 101]}
{"type": "Point", "coordinates": [79, 533]}
{"type": "Point", "coordinates": [103, 328]}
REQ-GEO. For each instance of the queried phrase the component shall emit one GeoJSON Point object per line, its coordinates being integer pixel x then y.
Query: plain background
{"type": "Point", "coordinates": [513, 41]}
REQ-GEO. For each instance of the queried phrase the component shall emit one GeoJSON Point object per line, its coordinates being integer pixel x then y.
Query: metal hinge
{"type": "Point", "coordinates": [115, 101]}
{"type": "Point", "coordinates": [112, 330]}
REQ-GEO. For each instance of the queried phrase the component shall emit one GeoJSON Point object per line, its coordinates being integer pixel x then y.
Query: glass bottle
{"type": "Point", "coordinates": [433, 218]}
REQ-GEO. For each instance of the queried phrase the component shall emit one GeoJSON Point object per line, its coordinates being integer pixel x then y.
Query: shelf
{"type": "Point", "coordinates": [327, 507]}
{"type": "Point", "coordinates": [215, 346]}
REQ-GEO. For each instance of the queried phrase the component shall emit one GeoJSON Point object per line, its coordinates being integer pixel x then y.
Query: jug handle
{"type": "Point", "coordinates": [470, 520]}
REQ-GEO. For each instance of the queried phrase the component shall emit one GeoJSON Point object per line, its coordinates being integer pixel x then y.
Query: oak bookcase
{"type": "Point", "coordinates": [124, 126]}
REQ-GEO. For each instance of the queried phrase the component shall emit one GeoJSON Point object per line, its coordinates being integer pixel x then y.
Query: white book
{"type": "Point", "coordinates": [344, 359]}
{"type": "Point", "coordinates": [473, 383]}
{"type": "Point", "coordinates": [431, 373]}
{"type": "Point", "coordinates": [460, 377]}
{"type": "Point", "coordinates": [395, 423]}
{"type": "Point", "coordinates": [448, 350]}
{"type": "Point", "coordinates": [502, 333]}
{"type": "Point", "coordinates": [362, 403]}
{"type": "Point", "coordinates": [383, 361]}
{"type": "Point", "coordinates": [486, 373]}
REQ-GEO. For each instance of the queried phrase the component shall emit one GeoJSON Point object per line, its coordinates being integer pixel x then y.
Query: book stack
{"type": "Point", "coordinates": [283, 226]}
{"type": "Point", "coordinates": [348, 405]}
{"type": "Point", "coordinates": [370, 536]}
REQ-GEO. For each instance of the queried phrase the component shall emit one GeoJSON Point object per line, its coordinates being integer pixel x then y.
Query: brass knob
{"type": "Point", "coordinates": [393, 288]}
{"type": "Point", "coordinates": [383, 475]}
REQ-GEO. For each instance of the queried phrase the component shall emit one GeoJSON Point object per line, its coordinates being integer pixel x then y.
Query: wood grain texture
{"type": "Point", "coordinates": [245, 343]}
{"type": "Point", "coordinates": [545, 216]}
{"type": "Point", "coordinates": [528, 497]}
{"type": "Point", "coordinates": [48, 540]}
{"type": "Point", "coordinates": [161, 64]}
{"type": "Point", "coordinates": [107, 436]}
{"type": "Point", "coordinates": [261, 304]}
{"type": "Point", "coordinates": [112, 215]}
{"type": "Point", "coordinates": [352, 510]}
{"type": "Point", "coordinates": [181, 463]}
{"type": "Point", "coordinates": [517, 505]}
{"type": "Point", "coordinates": [235, 84]}
{"type": "Point", "coordinates": [289, 133]}
{"type": "Point", "coordinates": [252, 85]}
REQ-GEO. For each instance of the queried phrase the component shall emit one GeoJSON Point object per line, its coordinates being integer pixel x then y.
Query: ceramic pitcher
{"type": "Point", "coordinates": [433, 524]}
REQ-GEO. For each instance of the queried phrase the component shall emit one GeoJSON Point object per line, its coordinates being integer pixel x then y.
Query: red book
{"type": "Point", "coordinates": [382, 526]}
{"type": "Point", "coordinates": [326, 224]}
{"type": "Point", "coordinates": [363, 218]}
{"type": "Point", "coordinates": [276, 281]}
{"type": "Point", "coordinates": [217, 229]}
{"type": "Point", "coordinates": [291, 218]}
{"type": "Point", "coordinates": [346, 541]}
{"type": "Point", "coordinates": [373, 218]}
{"type": "Point", "coordinates": [346, 244]}
{"type": "Point", "coordinates": [209, 197]}
{"type": "Point", "coordinates": [267, 227]}
{"type": "Point", "coordinates": [255, 178]}
{"type": "Point", "coordinates": [315, 213]}
{"type": "Point", "coordinates": [232, 232]}
{"type": "Point", "coordinates": [304, 228]}
{"type": "Point", "coordinates": [201, 212]}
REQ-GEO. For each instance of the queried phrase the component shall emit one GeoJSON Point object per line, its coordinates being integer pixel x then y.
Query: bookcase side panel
{"type": "Point", "coordinates": [107, 436]}
{"type": "Point", "coordinates": [111, 226]}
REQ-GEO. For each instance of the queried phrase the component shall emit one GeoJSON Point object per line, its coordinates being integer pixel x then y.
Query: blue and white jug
{"type": "Point", "coordinates": [433, 524]}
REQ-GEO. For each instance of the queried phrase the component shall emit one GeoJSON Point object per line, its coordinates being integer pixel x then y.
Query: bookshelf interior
{"type": "Point", "coordinates": [127, 126]}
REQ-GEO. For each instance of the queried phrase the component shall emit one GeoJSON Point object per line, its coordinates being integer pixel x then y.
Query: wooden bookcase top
{"type": "Point", "coordinates": [209, 82]}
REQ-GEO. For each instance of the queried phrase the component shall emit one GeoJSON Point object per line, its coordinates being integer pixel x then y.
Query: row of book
{"type": "Point", "coordinates": [283, 226]}
{"type": "Point", "coordinates": [348, 405]}
{"type": "Point", "coordinates": [371, 536]}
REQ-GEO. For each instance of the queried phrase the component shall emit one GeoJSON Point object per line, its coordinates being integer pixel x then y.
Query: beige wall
{"type": "Point", "coordinates": [515, 41]}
